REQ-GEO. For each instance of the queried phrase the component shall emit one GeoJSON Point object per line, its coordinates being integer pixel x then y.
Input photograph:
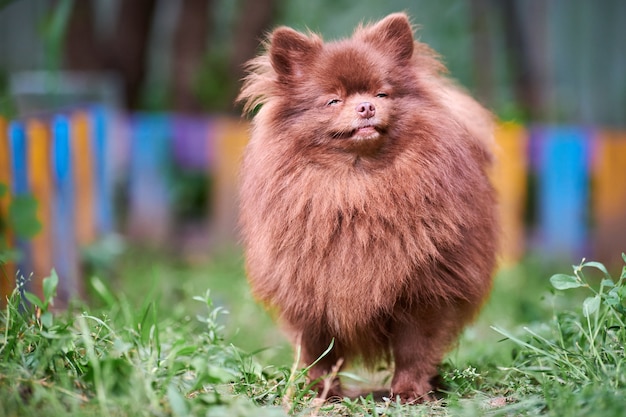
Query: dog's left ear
{"type": "Point", "coordinates": [392, 35]}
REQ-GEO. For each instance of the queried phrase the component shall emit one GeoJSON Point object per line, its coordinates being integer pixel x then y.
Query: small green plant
{"type": "Point", "coordinates": [118, 361]}
{"type": "Point", "coordinates": [20, 220]}
{"type": "Point", "coordinates": [577, 361]}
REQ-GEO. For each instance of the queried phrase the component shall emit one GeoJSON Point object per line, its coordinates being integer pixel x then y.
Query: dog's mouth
{"type": "Point", "coordinates": [365, 132]}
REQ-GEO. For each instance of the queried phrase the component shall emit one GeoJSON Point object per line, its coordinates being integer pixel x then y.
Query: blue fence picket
{"type": "Point", "coordinates": [17, 145]}
{"type": "Point", "coordinates": [19, 187]}
{"type": "Point", "coordinates": [65, 251]}
{"type": "Point", "coordinates": [149, 194]}
{"type": "Point", "coordinates": [563, 189]}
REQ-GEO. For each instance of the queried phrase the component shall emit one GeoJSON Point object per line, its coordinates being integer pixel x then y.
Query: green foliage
{"type": "Point", "coordinates": [214, 84]}
{"type": "Point", "coordinates": [576, 361]}
{"type": "Point", "coordinates": [21, 220]}
{"type": "Point", "coordinates": [22, 217]}
{"type": "Point", "coordinates": [117, 361]}
{"type": "Point", "coordinates": [166, 356]}
{"type": "Point", "coordinates": [53, 32]}
{"type": "Point", "coordinates": [7, 103]}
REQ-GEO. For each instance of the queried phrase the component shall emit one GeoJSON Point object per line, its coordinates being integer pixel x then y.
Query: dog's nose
{"type": "Point", "coordinates": [366, 110]}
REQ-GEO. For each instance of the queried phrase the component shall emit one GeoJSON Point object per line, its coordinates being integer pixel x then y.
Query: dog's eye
{"type": "Point", "coordinates": [381, 94]}
{"type": "Point", "coordinates": [333, 101]}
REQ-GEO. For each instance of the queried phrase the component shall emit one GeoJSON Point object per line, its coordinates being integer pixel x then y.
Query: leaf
{"type": "Point", "coordinates": [3, 189]}
{"type": "Point", "coordinates": [591, 305]}
{"type": "Point", "coordinates": [46, 319]}
{"type": "Point", "coordinates": [9, 255]}
{"type": "Point", "coordinates": [33, 299]}
{"type": "Point", "coordinates": [177, 401]}
{"type": "Point", "coordinates": [607, 283]}
{"type": "Point", "coordinates": [50, 285]}
{"type": "Point", "coordinates": [101, 289]}
{"type": "Point", "coordinates": [612, 297]}
{"type": "Point", "coordinates": [23, 216]}
{"type": "Point", "coordinates": [564, 282]}
{"type": "Point", "coordinates": [353, 376]}
{"type": "Point", "coordinates": [598, 266]}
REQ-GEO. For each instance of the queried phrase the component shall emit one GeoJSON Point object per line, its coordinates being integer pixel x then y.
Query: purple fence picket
{"type": "Point", "coordinates": [191, 147]}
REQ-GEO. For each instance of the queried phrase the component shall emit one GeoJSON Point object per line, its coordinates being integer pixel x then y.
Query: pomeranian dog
{"type": "Point", "coordinates": [367, 216]}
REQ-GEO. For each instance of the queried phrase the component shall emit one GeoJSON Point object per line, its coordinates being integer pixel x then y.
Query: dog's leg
{"type": "Point", "coordinates": [419, 344]}
{"type": "Point", "coordinates": [327, 366]}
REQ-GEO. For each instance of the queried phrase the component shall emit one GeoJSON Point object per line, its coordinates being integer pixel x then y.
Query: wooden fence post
{"type": "Point", "coordinates": [563, 195]}
{"type": "Point", "coordinates": [65, 250]}
{"type": "Point", "coordinates": [510, 180]}
{"type": "Point", "coordinates": [41, 187]}
{"type": "Point", "coordinates": [103, 172]}
{"type": "Point", "coordinates": [609, 197]}
{"type": "Point", "coordinates": [149, 195]}
{"type": "Point", "coordinates": [82, 160]}
{"type": "Point", "coordinates": [7, 274]}
{"type": "Point", "coordinates": [20, 187]}
{"type": "Point", "coordinates": [230, 140]}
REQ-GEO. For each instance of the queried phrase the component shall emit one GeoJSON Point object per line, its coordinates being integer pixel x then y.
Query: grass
{"type": "Point", "coordinates": [157, 342]}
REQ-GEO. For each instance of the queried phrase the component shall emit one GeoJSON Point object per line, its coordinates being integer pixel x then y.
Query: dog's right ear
{"type": "Point", "coordinates": [290, 51]}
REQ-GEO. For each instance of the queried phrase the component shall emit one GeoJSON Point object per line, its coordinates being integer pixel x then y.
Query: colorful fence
{"type": "Point", "coordinates": [73, 164]}
{"type": "Point", "coordinates": [562, 188]}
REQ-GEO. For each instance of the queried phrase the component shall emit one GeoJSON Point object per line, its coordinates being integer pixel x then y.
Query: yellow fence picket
{"type": "Point", "coordinates": [510, 180]}
{"type": "Point", "coordinates": [230, 141]}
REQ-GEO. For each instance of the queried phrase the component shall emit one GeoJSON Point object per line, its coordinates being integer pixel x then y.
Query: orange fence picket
{"type": "Point", "coordinates": [7, 274]}
{"type": "Point", "coordinates": [38, 162]}
{"type": "Point", "coordinates": [83, 165]}
{"type": "Point", "coordinates": [609, 195]}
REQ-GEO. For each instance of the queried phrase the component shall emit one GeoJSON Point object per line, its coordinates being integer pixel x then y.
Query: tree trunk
{"type": "Point", "coordinates": [127, 49]}
{"type": "Point", "coordinates": [82, 50]}
{"type": "Point", "coordinates": [482, 51]}
{"type": "Point", "coordinates": [190, 41]}
{"type": "Point", "coordinates": [255, 19]}
{"type": "Point", "coordinates": [524, 53]}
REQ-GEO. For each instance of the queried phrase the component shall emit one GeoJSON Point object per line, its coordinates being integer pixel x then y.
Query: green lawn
{"type": "Point", "coordinates": [164, 337]}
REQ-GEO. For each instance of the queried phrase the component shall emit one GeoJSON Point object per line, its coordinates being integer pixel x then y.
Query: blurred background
{"type": "Point", "coordinates": [556, 60]}
{"type": "Point", "coordinates": [117, 117]}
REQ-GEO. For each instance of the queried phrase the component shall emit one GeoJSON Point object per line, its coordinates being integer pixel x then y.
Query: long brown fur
{"type": "Point", "coordinates": [376, 228]}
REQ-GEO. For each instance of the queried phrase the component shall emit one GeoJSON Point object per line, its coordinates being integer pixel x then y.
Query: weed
{"type": "Point", "coordinates": [576, 361]}
{"type": "Point", "coordinates": [120, 362]}
{"type": "Point", "coordinates": [137, 358]}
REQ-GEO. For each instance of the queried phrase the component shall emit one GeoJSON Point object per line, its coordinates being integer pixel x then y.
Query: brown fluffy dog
{"type": "Point", "coordinates": [366, 211]}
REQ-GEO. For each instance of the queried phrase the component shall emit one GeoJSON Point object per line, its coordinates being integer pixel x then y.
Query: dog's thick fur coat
{"type": "Point", "coordinates": [367, 214]}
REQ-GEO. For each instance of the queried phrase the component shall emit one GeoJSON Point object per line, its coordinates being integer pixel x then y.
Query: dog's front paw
{"type": "Point", "coordinates": [412, 392]}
